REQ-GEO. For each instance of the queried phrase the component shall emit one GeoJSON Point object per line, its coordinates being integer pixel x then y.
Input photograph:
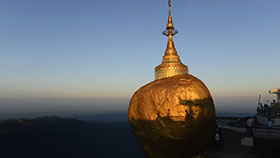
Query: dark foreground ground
{"type": "Point", "coordinates": [54, 137]}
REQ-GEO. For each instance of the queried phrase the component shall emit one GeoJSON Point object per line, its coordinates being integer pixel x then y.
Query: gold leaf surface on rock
{"type": "Point", "coordinates": [173, 116]}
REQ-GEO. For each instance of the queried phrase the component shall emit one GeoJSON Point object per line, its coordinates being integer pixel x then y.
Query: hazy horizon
{"type": "Point", "coordinates": [229, 104]}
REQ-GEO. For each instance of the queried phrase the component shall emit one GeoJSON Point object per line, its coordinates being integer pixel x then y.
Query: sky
{"type": "Point", "coordinates": [94, 54]}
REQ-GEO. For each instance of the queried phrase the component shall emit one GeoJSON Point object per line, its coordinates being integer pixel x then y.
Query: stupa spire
{"type": "Point", "coordinates": [171, 64]}
{"type": "Point", "coordinates": [170, 32]}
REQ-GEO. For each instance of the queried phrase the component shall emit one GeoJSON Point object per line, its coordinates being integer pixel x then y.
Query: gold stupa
{"type": "Point", "coordinates": [173, 116]}
{"type": "Point", "coordinates": [171, 64]}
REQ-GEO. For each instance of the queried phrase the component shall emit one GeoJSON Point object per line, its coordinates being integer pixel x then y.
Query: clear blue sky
{"type": "Point", "coordinates": [94, 54]}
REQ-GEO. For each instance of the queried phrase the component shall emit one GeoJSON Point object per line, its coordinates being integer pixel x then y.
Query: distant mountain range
{"type": "Point", "coordinates": [55, 137]}
{"type": "Point", "coordinates": [120, 116]}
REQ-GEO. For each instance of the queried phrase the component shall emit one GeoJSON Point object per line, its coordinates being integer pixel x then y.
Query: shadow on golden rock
{"type": "Point", "coordinates": [164, 138]}
{"type": "Point", "coordinates": [172, 117]}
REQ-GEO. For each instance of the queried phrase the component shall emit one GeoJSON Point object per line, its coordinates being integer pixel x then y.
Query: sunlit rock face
{"type": "Point", "coordinates": [173, 117]}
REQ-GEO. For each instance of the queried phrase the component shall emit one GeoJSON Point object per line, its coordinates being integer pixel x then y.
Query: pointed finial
{"type": "Point", "coordinates": [170, 32]}
{"type": "Point", "coordinates": [169, 2]}
{"type": "Point", "coordinates": [170, 23]}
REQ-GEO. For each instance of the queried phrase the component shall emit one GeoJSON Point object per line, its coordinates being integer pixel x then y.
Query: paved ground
{"type": "Point", "coordinates": [232, 148]}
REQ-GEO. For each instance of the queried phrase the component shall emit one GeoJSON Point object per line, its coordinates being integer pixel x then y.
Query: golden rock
{"type": "Point", "coordinates": [172, 117]}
